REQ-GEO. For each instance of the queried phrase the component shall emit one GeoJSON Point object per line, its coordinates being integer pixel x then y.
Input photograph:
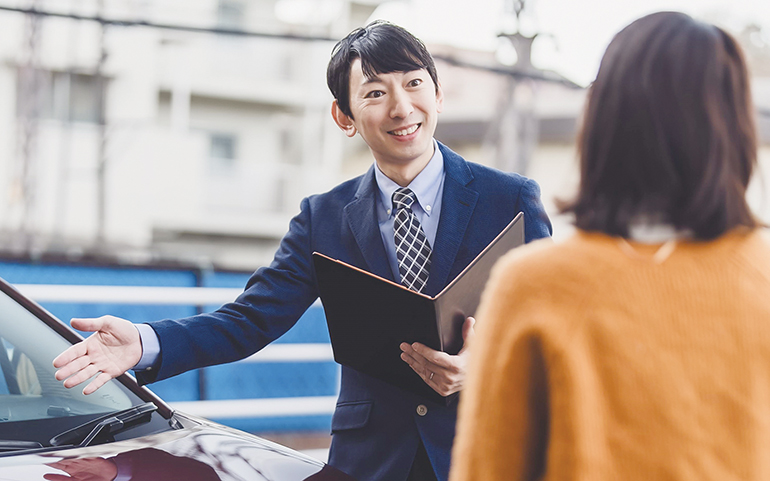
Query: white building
{"type": "Point", "coordinates": [208, 137]}
{"type": "Point", "coordinates": [211, 140]}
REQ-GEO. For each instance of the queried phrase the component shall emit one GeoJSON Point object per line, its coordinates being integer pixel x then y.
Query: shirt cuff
{"type": "Point", "coordinates": [150, 347]}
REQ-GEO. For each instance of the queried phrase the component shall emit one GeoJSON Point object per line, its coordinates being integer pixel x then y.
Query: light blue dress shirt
{"type": "Point", "coordinates": [150, 347]}
{"type": "Point", "coordinates": [428, 188]}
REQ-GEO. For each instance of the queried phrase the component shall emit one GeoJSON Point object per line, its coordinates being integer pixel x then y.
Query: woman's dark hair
{"type": "Point", "coordinates": [668, 131]}
{"type": "Point", "coordinates": [382, 48]}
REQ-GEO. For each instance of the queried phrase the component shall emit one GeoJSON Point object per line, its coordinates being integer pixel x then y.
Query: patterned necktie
{"type": "Point", "coordinates": [412, 247]}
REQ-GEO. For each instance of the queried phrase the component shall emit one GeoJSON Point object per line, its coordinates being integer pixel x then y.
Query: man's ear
{"type": "Point", "coordinates": [439, 97]}
{"type": "Point", "coordinates": [344, 122]}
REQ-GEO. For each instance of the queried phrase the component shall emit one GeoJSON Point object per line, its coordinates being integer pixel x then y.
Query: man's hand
{"type": "Point", "coordinates": [114, 348]}
{"type": "Point", "coordinates": [444, 373]}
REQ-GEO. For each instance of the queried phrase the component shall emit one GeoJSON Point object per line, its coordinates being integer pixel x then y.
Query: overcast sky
{"type": "Point", "coordinates": [574, 33]}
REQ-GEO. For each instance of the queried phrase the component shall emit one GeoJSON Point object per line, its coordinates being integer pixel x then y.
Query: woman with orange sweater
{"type": "Point", "coordinates": [640, 347]}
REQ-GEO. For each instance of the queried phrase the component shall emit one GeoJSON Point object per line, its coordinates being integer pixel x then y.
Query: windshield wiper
{"type": "Point", "coordinates": [14, 445]}
{"type": "Point", "coordinates": [111, 423]}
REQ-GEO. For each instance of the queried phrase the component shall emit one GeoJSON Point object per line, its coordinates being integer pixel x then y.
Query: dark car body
{"type": "Point", "coordinates": [121, 432]}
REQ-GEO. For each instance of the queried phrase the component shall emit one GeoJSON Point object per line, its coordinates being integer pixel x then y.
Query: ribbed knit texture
{"type": "Point", "coordinates": [592, 362]}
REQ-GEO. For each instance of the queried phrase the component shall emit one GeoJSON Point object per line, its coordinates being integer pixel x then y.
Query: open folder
{"type": "Point", "coordinates": [369, 317]}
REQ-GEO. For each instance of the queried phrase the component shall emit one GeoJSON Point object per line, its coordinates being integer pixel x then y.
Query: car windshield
{"type": "Point", "coordinates": [34, 406]}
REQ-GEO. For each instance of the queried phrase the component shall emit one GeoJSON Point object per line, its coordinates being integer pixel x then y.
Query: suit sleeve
{"type": "Point", "coordinates": [274, 299]}
{"type": "Point", "coordinates": [536, 222]}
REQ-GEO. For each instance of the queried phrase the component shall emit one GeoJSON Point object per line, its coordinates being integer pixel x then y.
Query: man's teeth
{"type": "Point", "coordinates": [406, 131]}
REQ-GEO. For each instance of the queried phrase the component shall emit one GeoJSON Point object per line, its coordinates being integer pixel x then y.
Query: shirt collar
{"type": "Point", "coordinates": [425, 186]}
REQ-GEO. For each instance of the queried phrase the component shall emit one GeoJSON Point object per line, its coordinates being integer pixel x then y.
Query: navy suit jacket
{"type": "Point", "coordinates": [376, 428]}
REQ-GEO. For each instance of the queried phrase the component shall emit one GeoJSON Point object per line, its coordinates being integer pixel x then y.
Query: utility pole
{"type": "Point", "coordinates": [514, 130]}
{"type": "Point", "coordinates": [101, 166]}
{"type": "Point", "coordinates": [59, 231]}
{"type": "Point", "coordinates": [23, 187]}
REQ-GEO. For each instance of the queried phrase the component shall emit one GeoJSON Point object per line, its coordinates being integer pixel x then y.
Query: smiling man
{"type": "Point", "coordinates": [418, 216]}
{"type": "Point", "coordinates": [395, 113]}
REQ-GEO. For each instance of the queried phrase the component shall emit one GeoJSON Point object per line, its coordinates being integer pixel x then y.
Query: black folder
{"type": "Point", "coordinates": [369, 317]}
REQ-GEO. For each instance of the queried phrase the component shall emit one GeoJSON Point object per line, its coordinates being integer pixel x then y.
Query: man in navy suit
{"type": "Point", "coordinates": [386, 90]}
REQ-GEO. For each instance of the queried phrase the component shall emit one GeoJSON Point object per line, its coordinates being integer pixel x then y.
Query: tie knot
{"type": "Point", "coordinates": [403, 198]}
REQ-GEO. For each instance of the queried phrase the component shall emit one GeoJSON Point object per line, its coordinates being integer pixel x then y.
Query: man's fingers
{"type": "Point", "coordinates": [421, 369]}
{"type": "Point", "coordinates": [442, 372]}
{"type": "Point", "coordinates": [81, 376]}
{"type": "Point", "coordinates": [98, 382]}
{"type": "Point", "coordinates": [417, 364]}
{"type": "Point", "coordinates": [114, 348]}
{"type": "Point", "coordinates": [88, 324]}
{"type": "Point", "coordinates": [432, 360]}
{"type": "Point", "coordinates": [70, 355]}
{"type": "Point", "coordinates": [442, 379]}
{"type": "Point", "coordinates": [412, 361]}
{"type": "Point", "coordinates": [79, 349]}
{"type": "Point", "coordinates": [412, 355]}
{"type": "Point", "coordinates": [430, 373]}
{"type": "Point", "coordinates": [71, 367]}
{"type": "Point", "coordinates": [431, 355]}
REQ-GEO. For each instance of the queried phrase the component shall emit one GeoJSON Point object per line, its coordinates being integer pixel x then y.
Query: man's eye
{"type": "Point", "coordinates": [375, 94]}
{"type": "Point", "coordinates": [415, 82]}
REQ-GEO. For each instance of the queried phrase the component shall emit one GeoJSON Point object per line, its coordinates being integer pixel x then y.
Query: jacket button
{"type": "Point", "coordinates": [422, 410]}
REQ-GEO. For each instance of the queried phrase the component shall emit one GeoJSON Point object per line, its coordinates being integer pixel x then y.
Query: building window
{"type": "Point", "coordinates": [222, 146]}
{"type": "Point", "coordinates": [63, 96]}
{"type": "Point", "coordinates": [84, 97]}
{"type": "Point", "coordinates": [291, 146]}
{"type": "Point", "coordinates": [230, 14]}
{"type": "Point", "coordinates": [279, 195]}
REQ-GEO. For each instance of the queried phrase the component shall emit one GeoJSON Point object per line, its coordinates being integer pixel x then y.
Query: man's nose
{"type": "Point", "coordinates": [401, 105]}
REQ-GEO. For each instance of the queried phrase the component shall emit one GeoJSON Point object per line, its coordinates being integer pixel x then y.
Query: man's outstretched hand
{"type": "Point", "coordinates": [114, 348]}
{"type": "Point", "coordinates": [443, 372]}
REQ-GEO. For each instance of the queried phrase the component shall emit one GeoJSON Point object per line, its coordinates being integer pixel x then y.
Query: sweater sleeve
{"type": "Point", "coordinates": [503, 414]}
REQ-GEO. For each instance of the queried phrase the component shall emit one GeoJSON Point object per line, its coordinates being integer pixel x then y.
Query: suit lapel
{"type": "Point", "coordinates": [457, 204]}
{"type": "Point", "coordinates": [361, 217]}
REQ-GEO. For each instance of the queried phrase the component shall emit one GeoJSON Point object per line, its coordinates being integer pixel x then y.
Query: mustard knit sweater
{"type": "Point", "coordinates": [592, 361]}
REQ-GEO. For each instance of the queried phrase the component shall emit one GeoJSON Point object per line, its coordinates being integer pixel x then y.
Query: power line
{"type": "Point", "coordinates": [165, 26]}
{"type": "Point", "coordinates": [541, 76]}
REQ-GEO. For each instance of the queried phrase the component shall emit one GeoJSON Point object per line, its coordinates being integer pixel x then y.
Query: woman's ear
{"type": "Point", "coordinates": [342, 120]}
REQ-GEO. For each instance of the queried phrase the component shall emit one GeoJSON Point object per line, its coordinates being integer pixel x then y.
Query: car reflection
{"type": "Point", "coordinates": [147, 464]}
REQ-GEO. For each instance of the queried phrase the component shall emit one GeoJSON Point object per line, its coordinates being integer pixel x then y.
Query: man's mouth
{"type": "Point", "coordinates": [409, 130]}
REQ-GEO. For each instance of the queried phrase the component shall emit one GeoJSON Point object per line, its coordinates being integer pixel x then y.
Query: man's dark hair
{"type": "Point", "coordinates": [668, 131]}
{"type": "Point", "coordinates": [382, 48]}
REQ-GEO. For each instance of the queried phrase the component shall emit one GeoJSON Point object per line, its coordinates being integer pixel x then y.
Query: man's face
{"type": "Point", "coordinates": [395, 113]}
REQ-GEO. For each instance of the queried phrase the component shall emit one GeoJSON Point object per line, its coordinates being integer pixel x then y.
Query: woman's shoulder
{"type": "Point", "coordinates": [545, 269]}
{"type": "Point", "coordinates": [578, 249]}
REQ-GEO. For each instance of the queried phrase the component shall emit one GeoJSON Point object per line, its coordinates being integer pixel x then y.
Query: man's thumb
{"type": "Point", "coordinates": [88, 325]}
{"type": "Point", "coordinates": [468, 331]}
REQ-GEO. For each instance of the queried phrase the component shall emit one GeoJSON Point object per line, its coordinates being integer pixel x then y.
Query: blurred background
{"type": "Point", "coordinates": [152, 152]}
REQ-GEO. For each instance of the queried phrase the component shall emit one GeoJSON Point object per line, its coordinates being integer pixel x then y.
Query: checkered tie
{"type": "Point", "coordinates": [412, 247]}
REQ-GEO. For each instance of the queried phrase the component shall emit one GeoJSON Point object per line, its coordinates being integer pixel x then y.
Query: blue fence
{"type": "Point", "coordinates": [242, 380]}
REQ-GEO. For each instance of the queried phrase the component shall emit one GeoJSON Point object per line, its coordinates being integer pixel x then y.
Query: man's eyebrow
{"type": "Point", "coordinates": [371, 80]}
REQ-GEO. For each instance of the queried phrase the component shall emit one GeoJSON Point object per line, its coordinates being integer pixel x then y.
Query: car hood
{"type": "Point", "coordinates": [204, 451]}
